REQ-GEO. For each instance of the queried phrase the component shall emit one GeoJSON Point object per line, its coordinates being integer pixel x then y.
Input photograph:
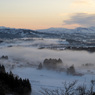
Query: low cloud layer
{"type": "Point", "coordinates": [83, 19]}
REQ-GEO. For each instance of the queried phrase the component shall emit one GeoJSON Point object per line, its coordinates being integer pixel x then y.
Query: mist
{"type": "Point", "coordinates": [35, 56]}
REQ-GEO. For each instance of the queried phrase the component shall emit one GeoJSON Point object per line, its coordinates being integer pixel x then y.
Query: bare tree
{"type": "Point", "coordinates": [71, 89]}
{"type": "Point", "coordinates": [68, 89]}
{"type": "Point", "coordinates": [81, 90]}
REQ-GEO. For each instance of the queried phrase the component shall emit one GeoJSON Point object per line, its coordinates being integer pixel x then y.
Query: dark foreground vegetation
{"type": "Point", "coordinates": [10, 85]}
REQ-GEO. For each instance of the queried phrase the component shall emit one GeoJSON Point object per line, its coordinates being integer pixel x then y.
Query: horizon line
{"type": "Point", "coordinates": [2, 27]}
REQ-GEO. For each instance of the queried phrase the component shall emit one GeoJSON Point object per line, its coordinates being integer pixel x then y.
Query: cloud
{"type": "Point", "coordinates": [80, 2]}
{"type": "Point", "coordinates": [82, 19]}
{"type": "Point", "coordinates": [83, 6]}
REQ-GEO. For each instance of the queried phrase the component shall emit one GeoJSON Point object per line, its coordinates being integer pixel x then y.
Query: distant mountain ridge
{"type": "Point", "coordinates": [65, 30]}
{"type": "Point", "coordinates": [15, 33]}
{"type": "Point", "coordinates": [6, 32]}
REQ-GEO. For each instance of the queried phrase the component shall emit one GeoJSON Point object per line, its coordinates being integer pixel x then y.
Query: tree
{"type": "Point", "coordinates": [71, 70]}
{"type": "Point", "coordinates": [11, 84]}
{"type": "Point", "coordinates": [40, 66]}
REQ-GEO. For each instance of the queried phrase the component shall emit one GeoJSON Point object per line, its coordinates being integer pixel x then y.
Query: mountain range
{"type": "Point", "coordinates": [6, 32]}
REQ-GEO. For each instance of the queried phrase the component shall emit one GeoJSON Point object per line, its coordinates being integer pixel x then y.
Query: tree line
{"type": "Point", "coordinates": [13, 85]}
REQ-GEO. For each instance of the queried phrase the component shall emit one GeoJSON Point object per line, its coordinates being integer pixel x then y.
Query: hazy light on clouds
{"type": "Point", "coordinates": [37, 14]}
{"type": "Point", "coordinates": [82, 19]}
{"type": "Point", "coordinates": [81, 1]}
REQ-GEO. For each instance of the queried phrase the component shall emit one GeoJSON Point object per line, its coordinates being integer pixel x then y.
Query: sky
{"type": "Point", "coordinates": [41, 14]}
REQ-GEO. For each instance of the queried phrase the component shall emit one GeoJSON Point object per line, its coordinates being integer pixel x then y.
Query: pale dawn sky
{"type": "Point", "coordinates": [41, 14]}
